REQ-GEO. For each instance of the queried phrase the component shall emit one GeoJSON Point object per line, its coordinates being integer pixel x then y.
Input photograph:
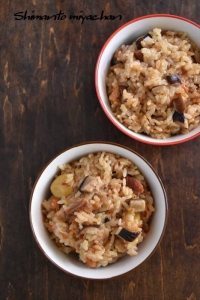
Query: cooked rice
{"type": "Point", "coordinates": [131, 84]}
{"type": "Point", "coordinates": [88, 223]}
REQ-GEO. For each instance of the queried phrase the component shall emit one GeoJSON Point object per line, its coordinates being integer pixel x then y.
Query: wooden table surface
{"type": "Point", "coordinates": [48, 103]}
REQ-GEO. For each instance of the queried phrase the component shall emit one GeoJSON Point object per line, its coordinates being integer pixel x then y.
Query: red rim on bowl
{"type": "Point", "coordinates": [170, 141]}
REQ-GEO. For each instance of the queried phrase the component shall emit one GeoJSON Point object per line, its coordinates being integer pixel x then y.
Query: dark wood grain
{"type": "Point", "coordinates": [48, 103]}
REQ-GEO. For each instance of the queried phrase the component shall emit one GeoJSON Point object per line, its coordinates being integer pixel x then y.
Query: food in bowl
{"type": "Point", "coordinates": [70, 263]}
{"type": "Point", "coordinates": [153, 84]}
{"type": "Point", "coordinates": [100, 207]}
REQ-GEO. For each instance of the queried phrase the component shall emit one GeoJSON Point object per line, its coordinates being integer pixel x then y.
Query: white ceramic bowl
{"type": "Point", "coordinates": [69, 263]}
{"type": "Point", "coordinates": [126, 34]}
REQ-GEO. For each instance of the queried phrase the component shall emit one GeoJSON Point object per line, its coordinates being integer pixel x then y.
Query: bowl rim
{"type": "Point", "coordinates": [166, 209]}
{"type": "Point", "coordinates": [121, 127]}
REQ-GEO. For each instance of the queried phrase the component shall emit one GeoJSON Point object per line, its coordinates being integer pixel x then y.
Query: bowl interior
{"type": "Point", "coordinates": [126, 35]}
{"type": "Point", "coordinates": [70, 263]}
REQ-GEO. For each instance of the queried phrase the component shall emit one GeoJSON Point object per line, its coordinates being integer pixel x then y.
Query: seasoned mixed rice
{"type": "Point", "coordinates": [100, 208]}
{"type": "Point", "coordinates": [154, 84]}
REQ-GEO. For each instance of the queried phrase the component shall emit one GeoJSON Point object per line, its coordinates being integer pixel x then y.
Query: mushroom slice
{"type": "Point", "coordinates": [122, 86]}
{"type": "Point", "coordinates": [127, 235]}
{"type": "Point", "coordinates": [139, 55]}
{"type": "Point", "coordinates": [140, 39]}
{"type": "Point", "coordinates": [179, 104]}
{"type": "Point", "coordinates": [91, 184]}
{"type": "Point", "coordinates": [115, 60]}
{"type": "Point", "coordinates": [173, 79]}
{"type": "Point", "coordinates": [134, 184]}
{"type": "Point", "coordinates": [107, 219]}
{"type": "Point", "coordinates": [178, 117]}
{"type": "Point", "coordinates": [197, 56]}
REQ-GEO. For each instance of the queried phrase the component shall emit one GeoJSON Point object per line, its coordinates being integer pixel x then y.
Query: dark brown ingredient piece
{"type": "Point", "coordinates": [107, 219]}
{"type": "Point", "coordinates": [91, 184]}
{"type": "Point", "coordinates": [178, 117]}
{"type": "Point", "coordinates": [173, 79]}
{"type": "Point", "coordinates": [134, 184]}
{"type": "Point", "coordinates": [115, 96]}
{"type": "Point", "coordinates": [197, 56]}
{"type": "Point", "coordinates": [138, 43]}
{"type": "Point", "coordinates": [82, 184]}
{"type": "Point", "coordinates": [179, 104]}
{"type": "Point", "coordinates": [140, 39]}
{"type": "Point", "coordinates": [139, 55]}
{"type": "Point", "coordinates": [114, 60]}
{"type": "Point", "coordinates": [122, 87]}
{"type": "Point", "coordinates": [127, 235]}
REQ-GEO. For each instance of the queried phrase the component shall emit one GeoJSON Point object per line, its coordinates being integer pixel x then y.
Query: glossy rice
{"type": "Point", "coordinates": [141, 95]}
{"type": "Point", "coordinates": [105, 219]}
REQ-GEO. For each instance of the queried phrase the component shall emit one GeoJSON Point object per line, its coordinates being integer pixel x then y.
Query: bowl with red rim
{"type": "Point", "coordinates": [126, 35]}
{"type": "Point", "coordinates": [70, 263]}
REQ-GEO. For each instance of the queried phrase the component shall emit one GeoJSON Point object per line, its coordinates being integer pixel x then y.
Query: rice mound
{"type": "Point", "coordinates": [105, 219]}
{"type": "Point", "coordinates": [142, 98]}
